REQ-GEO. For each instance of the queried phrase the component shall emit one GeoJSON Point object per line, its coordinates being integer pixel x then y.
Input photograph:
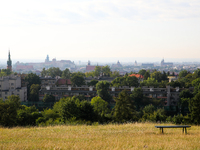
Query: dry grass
{"type": "Point", "coordinates": [127, 136]}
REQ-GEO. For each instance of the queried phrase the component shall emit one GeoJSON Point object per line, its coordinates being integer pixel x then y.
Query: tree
{"type": "Point", "coordinates": [125, 81]}
{"type": "Point", "coordinates": [132, 81]}
{"type": "Point", "coordinates": [86, 111]}
{"type": "Point", "coordinates": [137, 97]}
{"type": "Point", "coordinates": [119, 81]}
{"type": "Point", "coordinates": [92, 83]}
{"type": "Point", "coordinates": [183, 73]}
{"type": "Point", "coordinates": [5, 72]}
{"type": "Point", "coordinates": [100, 106]}
{"type": "Point", "coordinates": [27, 115]}
{"type": "Point", "coordinates": [197, 73]}
{"type": "Point", "coordinates": [150, 82]}
{"type": "Point", "coordinates": [103, 90]}
{"type": "Point", "coordinates": [77, 73]}
{"type": "Point", "coordinates": [53, 72]}
{"type": "Point", "coordinates": [157, 75]}
{"type": "Point", "coordinates": [31, 79]}
{"type": "Point", "coordinates": [66, 74]}
{"type": "Point", "coordinates": [97, 71]}
{"type": "Point", "coordinates": [69, 109]}
{"type": "Point", "coordinates": [106, 70]}
{"type": "Point", "coordinates": [8, 111]}
{"type": "Point", "coordinates": [146, 75]}
{"type": "Point", "coordinates": [49, 98]}
{"type": "Point", "coordinates": [78, 80]}
{"type": "Point", "coordinates": [115, 74]}
{"type": "Point", "coordinates": [194, 108]}
{"type": "Point", "coordinates": [196, 85]}
{"type": "Point", "coordinates": [43, 73]}
{"type": "Point", "coordinates": [124, 108]}
{"type": "Point", "coordinates": [34, 92]}
{"type": "Point", "coordinates": [185, 94]}
{"type": "Point", "coordinates": [142, 72]}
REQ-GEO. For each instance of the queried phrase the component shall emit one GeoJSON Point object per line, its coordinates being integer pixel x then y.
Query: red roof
{"type": "Point", "coordinates": [90, 68]}
{"type": "Point", "coordinates": [137, 76]}
{"type": "Point", "coordinates": [63, 81]}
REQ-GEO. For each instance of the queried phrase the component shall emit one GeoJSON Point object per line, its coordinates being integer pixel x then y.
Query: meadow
{"type": "Point", "coordinates": [111, 136]}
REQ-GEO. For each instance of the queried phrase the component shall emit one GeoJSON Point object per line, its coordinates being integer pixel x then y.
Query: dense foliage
{"type": "Point", "coordinates": [129, 106]}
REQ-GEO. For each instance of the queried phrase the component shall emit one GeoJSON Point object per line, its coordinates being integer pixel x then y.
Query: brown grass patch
{"type": "Point", "coordinates": [126, 136]}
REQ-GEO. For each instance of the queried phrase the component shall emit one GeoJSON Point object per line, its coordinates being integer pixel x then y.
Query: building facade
{"type": "Point", "coordinates": [11, 85]}
{"type": "Point", "coordinates": [169, 95]}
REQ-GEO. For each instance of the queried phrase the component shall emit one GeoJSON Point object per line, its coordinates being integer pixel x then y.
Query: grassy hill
{"type": "Point", "coordinates": [126, 136]}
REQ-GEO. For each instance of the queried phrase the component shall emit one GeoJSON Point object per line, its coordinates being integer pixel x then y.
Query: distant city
{"type": "Point", "coordinates": [86, 66]}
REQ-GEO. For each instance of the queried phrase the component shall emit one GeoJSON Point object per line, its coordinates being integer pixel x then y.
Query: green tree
{"type": "Point", "coordinates": [185, 94]}
{"type": "Point", "coordinates": [92, 83]}
{"type": "Point", "coordinates": [86, 111]}
{"type": "Point", "coordinates": [53, 72]}
{"type": "Point", "coordinates": [97, 71]}
{"type": "Point", "coordinates": [5, 72]}
{"type": "Point", "coordinates": [142, 72]}
{"type": "Point", "coordinates": [49, 98]}
{"type": "Point", "coordinates": [197, 73]}
{"type": "Point", "coordinates": [132, 81]}
{"type": "Point", "coordinates": [44, 72]}
{"type": "Point", "coordinates": [78, 80]}
{"type": "Point", "coordinates": [31, 79]}
{"type": "Point", "coordinates": [106, 70]}
{"type": "Point", "coordinates": [115, 74]}
{"type": "Point", "coordinates": [157, 75]}
{"type": "Point", "coordinates": [183, 73]}
{"type": "Point", "coordinates": [124, 109]}
{"type": "Point", "coordinates": [8, 111]}
{"type": "Point", "coordinates": [150, 82]}
{"type": "Point", "coordinates": [69, 109]}
{"type": "Point", "coordinates": [137, 96]}
{"type": "Point", "coordinates": [194, 108]}
{"type": "Point", "coordinates": [34, 92]}
{"type": "Point", "coordinates": [196, 85]}
{"type": "Point", "coordinates": [27, 115]}
{"type": "Point", "coordinates": [77, 73]}
{"type": "Point", "coordinates": [103, 90]}
{"type": "Point", "coordinates": [119, 81]}
{"type": "Point", "coordinates": [146, 75]}
{"type": "Point", "coordinates": [100, 106]}
{"type": "Point", "coordinates": [66, 74]}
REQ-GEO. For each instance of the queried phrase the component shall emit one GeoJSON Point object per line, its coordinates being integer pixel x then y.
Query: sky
{"type": "Point", "coordinates": [100, 29]}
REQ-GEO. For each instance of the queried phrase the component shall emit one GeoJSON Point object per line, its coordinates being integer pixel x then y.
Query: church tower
{"type": "Point", "coordinates": [9, 62]}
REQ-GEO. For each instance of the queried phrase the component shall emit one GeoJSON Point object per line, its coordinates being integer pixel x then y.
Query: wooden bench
{"type": "Point", "coordinates": [184, 127]}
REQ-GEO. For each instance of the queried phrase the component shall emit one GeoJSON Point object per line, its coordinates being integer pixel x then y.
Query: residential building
{"type": "Point", "coordinates": [169, 95]}
{"type": "Point", "coordinates": [11, 85]}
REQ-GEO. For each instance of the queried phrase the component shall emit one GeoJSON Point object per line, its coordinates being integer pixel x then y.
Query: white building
{"type": "Point", "coordinates": [11, 85]}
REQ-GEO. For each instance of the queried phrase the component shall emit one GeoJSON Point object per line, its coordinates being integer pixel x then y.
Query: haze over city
{"type": "Point", "coordinates": [92, 30]}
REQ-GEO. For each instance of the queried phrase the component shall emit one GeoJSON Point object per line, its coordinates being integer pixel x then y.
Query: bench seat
{"type": "Point", "coordinates": [181, 126]}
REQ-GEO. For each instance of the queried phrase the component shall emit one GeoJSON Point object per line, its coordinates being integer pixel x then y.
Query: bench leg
{"type": "Point", "coordinates": [162, 130]}
{"type": "Point", "coordinates": [185, 130]}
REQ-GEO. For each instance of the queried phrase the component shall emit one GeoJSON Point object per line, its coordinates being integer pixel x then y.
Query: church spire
{"type": "Point", "coordinates": [9, 62]}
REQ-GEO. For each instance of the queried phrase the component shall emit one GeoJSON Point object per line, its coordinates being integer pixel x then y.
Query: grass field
{"type": "Point", "coordinates": [126, 136]}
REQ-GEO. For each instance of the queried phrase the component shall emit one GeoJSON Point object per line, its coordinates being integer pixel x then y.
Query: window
{"type": "Point", "coordinates": [6, 93]}
{"type": "Point", "coordinates": [12, 83]}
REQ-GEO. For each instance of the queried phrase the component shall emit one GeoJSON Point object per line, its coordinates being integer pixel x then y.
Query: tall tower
{"type": "Point", "coordinates": [47, 58]}
{"type": "Point", "coordinates": [9, 62]}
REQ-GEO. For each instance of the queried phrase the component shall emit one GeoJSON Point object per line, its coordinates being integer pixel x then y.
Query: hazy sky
{"type": "Point", "coordinates": [67, 29]}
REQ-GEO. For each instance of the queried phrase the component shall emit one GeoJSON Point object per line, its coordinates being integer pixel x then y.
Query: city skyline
{"type": "Point", "coordinates": [107, 30]}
